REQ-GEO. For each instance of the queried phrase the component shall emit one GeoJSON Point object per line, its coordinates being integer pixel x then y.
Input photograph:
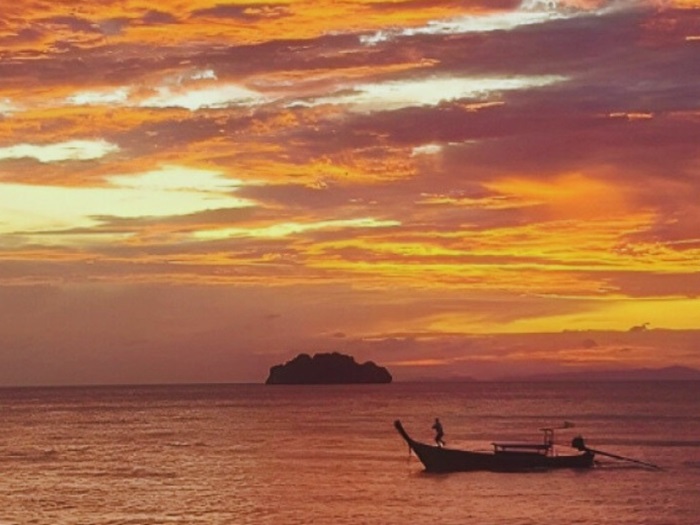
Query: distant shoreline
{"type": "Point", "coordinates": [426, 381]}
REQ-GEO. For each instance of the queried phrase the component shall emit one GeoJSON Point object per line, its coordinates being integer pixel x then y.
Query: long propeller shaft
{"type": "Point", "coordinates": [623, 458]}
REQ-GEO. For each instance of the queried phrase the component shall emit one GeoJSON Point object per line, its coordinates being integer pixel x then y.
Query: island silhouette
{"type": "Point", "coordinates": [327, 368]}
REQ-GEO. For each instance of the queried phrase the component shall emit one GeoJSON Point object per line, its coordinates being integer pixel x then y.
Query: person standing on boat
{"type": "Point", "coordinates": [437, 427]}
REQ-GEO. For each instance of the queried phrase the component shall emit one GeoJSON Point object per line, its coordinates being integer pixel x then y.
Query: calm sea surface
{"type": "Point", "coordinates": [255, 454]}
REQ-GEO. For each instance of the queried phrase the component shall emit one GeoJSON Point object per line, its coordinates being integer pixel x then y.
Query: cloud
{"type": "Point", "coordinates": [62, 151]}
{"type": "Point", "coordinates": [172, 190]}
{"type": "Point", "coordinates": [393, 95]}
{"type": "Point", "coordinates": [191, 89]}
{"type": "Point", "coordinates": [220, 96]}
{"type": "Point", "coordinates": [293, 228]}
{"type": "Point", "coordinates": [26, 35]}
{"type": "Point", "coordinates": [73, 23]}
{"type": "Point", "coordinates": [245, 11]}
{"type": "Point", "coordinates": [530, 12]}
{"type": "Point", "coordinates": [111, 97]}
{"type": "Point", "coordinates": [156, 17]}
{"type": "Point", "coordinates": [7, 107]}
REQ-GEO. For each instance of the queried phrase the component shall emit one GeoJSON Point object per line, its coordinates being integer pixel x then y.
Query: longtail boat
{"type": "Point", "coordinates": [505, 457]}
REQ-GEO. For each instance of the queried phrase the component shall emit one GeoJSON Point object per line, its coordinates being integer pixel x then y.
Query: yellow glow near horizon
{"type": "Point", "coordinates": [677, 313]}
{"type": "Point", "coordinates": [602, 314]}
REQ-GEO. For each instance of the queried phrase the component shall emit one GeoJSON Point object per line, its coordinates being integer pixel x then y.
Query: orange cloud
{"type": "Point", "coordinates": [567, 196]}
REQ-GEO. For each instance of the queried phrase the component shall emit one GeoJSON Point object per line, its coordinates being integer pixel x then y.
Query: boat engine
{"type": "Point", "coordinates": [578, 443]}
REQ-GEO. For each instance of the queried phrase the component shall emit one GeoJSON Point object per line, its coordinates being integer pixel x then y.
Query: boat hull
{"type": "Point", "coordinates": [442, 459]}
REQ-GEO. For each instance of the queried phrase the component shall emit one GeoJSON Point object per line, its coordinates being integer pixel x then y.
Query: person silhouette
{"type": "Point", "coordinates": [437, 427]}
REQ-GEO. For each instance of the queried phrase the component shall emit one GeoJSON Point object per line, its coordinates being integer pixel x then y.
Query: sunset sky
{"type": "Point", "coordinates": [194, 191]}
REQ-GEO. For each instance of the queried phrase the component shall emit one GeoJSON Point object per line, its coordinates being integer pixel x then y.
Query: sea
{"type": "Point", "coordinates": [329, 455]}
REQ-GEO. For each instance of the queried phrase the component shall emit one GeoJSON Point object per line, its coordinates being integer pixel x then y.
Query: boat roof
{"type": "Point", "coordinates": [531, 446]}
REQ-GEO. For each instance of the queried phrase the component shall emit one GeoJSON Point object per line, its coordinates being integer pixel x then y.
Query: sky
{"type": "Point", "coordinates": [195, 191]}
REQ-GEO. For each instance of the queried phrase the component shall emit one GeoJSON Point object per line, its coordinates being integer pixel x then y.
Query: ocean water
{"type": "Point", "coordinates": [256, 454]}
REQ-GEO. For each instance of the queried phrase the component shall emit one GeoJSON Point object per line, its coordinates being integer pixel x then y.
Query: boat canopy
{"type": "Point", "coordinates": [540, 448]}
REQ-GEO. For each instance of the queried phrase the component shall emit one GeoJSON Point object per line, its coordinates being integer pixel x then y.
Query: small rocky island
{"type": "Point", "coordinates": [327, 369]}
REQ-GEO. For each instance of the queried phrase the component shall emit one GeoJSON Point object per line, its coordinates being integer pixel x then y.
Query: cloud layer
{"type": "Point", "coordinates": [359, 168]}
